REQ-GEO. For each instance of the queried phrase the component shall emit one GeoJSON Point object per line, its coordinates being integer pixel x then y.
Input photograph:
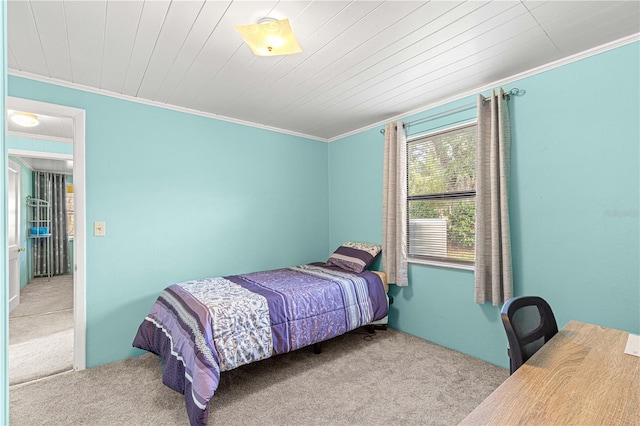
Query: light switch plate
{"type": "Point", "coordinates": [99, 229]}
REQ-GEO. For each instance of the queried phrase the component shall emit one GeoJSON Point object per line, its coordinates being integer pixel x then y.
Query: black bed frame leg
{"type": "Point", "coordinates": [317, 348]}
{"type": "Point", "coordinates": [371, 328]}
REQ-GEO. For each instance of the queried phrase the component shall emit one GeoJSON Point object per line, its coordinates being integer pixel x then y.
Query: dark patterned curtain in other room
{"type": "Point", "coordinates": [52, 187]}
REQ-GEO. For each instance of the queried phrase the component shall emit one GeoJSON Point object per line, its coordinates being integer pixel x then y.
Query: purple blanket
{"type": "Point", "coordinates": [203, 327]}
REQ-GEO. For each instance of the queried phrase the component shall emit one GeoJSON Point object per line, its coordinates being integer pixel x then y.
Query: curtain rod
{"type": "Point", "coordinates": [507, 95]}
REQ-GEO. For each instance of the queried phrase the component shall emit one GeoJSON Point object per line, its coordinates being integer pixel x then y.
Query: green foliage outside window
{"type": "Point", "coordinates": [462, 224]}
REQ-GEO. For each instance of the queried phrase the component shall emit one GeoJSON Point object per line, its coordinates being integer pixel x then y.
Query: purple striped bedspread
{"type": "Point", "coordinates": [201, 328]}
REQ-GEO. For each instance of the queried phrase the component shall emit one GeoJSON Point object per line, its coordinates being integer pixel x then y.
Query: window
{"type": "Point", "coordinates": [70, 210]}
{"type": "Point", "coordinates": [441, 196]}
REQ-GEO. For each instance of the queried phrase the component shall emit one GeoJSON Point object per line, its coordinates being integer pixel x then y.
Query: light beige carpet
{"type": "Point", "coordinates": [41, 330]}
{"type": "Point", "coordinates": [390, 379]}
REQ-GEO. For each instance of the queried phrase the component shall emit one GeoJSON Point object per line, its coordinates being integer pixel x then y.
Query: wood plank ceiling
{"type": "Point", "coordinates": [363, 62]}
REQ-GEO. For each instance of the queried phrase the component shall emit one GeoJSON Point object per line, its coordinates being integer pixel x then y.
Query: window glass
{"type": "Point", "coordinates": [441, 195]}
{"type": "Point", "coordinates": [70, 210]}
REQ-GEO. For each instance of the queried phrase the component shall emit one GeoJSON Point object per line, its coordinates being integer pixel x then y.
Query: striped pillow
{"type": "Point", "coordinates": [355, 257]}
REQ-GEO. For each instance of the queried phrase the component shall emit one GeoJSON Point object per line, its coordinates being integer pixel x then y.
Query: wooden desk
{"type": "Point", "coordinates": [580, 377]}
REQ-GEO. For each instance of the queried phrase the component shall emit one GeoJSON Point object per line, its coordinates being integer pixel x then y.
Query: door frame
{"type": "Point", "coordinates": [80, 236]}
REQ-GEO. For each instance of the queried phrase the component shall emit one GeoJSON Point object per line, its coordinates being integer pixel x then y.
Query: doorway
{"type": "Point", "coordinates": [78, 266]}
{"type": "Point", "coordinates": [41, 324]}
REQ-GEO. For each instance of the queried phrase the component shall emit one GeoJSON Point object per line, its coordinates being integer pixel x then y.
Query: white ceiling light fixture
{"type": "Point", "coordinates": [270, 37]}
{"type": "Point", "coordinates": [25, 119]}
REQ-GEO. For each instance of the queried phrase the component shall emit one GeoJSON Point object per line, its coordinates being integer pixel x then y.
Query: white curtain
{"type": "Point", "coordinates": [493, 271]}
{"type": "Point", "coordinates": [394, 204]}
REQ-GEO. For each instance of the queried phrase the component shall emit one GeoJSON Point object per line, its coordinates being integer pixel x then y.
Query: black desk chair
{"type": "Point", "coordinates": [529, 323]}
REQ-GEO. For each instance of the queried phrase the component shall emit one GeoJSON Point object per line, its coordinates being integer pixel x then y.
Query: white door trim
{"type": "Point", "coordinates": [14, 249]}
{"type": "Point", "coordinates": [79, 272]}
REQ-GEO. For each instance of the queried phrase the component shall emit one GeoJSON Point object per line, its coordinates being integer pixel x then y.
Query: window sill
{"type": "Point", "coordinates": [438, 264]}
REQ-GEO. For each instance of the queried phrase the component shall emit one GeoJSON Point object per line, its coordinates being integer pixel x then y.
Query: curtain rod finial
{"type": "Point", "coordinates": [516, 92]}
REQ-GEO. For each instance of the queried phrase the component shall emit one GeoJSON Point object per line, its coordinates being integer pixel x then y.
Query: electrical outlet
{"type": "Point", "coordinates": [99, 229]}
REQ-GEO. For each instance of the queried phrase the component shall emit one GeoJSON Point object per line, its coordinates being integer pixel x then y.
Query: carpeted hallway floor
{"type": "Point", "coordinates": [41, 330]}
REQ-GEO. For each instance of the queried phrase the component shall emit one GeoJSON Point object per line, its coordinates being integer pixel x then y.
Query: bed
{"type": "Point", "coordinates": [203, 327]}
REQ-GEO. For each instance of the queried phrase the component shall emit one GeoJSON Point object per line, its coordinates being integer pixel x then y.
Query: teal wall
{"type": "Point", "coordinates": [39, 145]}
{"type": "Point", "coordinates": [184, 197]}
{"type": "Point", "coordinates": [574, 207]}
{"type": "Point", "coordinates": [26, 189]}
